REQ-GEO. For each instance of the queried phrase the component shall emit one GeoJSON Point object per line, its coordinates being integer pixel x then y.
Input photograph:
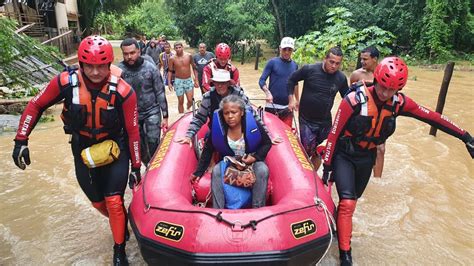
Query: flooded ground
{"type": "Point", "coordinates": [419, 212]}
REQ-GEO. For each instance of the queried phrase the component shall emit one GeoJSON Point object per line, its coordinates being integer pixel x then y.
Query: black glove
{"type": "Point", "coordinates": [21, 154]}
{"type": "Point", "coordinates": [469, 143]}
{"type": "Point", "coordinates": [134, 178]}
{"type": "Point", "coordinates": [327, 174]}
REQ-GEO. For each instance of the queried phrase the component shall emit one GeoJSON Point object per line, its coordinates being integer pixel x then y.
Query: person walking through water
{"type": "Point", "coordinates": [164, 60]}
{"type": "Point", "coordinates": [365, 118]}
{"type": "Point", "coordinates": [222, 61]}
{"type": "Point", "coordinates": [279, 70]}
{"type": "Point", "coordinates": [368, 59]}
{"type": "Point", "coordinates": [201, 59]}
{"type": "Point", "coordinates": [146, 81]}
{"type": "Point", "coordinates": [322, 81]}
{"type": "Point", "coordinates": [181, 64]}
{"type": "Point", "coordinates": [154, 51]}
{"type": "Point", "coordinates": [99, 109]}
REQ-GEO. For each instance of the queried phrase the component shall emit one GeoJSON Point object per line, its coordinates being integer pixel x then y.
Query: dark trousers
{"type": "Point", "coordinates": [104, 181]}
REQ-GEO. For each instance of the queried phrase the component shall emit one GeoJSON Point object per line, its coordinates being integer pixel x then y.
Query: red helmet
{"type": "Point", "coordinates": [223, 51]}
{"type": "Point", "coordinates": [95, 50]}
{"type": "Point", "coordinates": [392, 73]}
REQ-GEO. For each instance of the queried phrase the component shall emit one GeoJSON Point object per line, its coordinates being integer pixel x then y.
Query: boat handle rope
{"type": "Point", "coordinates": [252, 223]}
{"type": "Point", "coordinates": [148, 206]}
{"type": "Point", "coordinates": [330, 222]}
{"type": "Point", "coordinates": [218, 216]}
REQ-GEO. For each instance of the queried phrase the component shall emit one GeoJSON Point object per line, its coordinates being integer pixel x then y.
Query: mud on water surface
{"type": "Point", "coordinates": [419, 212]}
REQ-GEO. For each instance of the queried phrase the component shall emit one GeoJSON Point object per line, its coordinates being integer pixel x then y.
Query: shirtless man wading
{"type": "Point", "coordinates": [181, 64]}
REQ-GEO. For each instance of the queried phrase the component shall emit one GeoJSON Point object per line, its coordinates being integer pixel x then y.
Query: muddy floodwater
{"type": "Point", "coordinates": [420, 212]}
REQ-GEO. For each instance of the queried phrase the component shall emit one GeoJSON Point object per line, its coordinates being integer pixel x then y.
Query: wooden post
{"type": "Point", "coordinates": [448, 72]}
{"type": "Point", "coordinates": [57, 37]}
{"type": "Point", "coordinates": [257, 54]}
{"type": "Point", "coordinates": [242, 60]}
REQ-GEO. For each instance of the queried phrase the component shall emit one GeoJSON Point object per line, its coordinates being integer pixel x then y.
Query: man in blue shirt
{"type": "Point", "coordinates": [279, 69]}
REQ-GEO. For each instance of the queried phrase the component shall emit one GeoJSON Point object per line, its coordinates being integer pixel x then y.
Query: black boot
{"type": "Point", "coordinates": [345, 257]}
{"type": "Point", "coordinates": [120, 258]}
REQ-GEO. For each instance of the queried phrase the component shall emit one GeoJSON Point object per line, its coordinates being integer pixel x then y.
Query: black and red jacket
{"type": "Point", "coordinates": [94, 114]}
{"type": "Point", "coordinates": [365, 131]}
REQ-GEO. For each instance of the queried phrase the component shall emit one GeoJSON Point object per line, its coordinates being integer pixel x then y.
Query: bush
{"type": "Point", "coordinates": [314, 45]}
{"type": "Point", "coordinates": [17, 46]}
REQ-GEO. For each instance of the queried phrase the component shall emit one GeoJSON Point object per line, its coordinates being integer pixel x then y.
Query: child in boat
{"type": "Point", "coordinates": [236, 132]}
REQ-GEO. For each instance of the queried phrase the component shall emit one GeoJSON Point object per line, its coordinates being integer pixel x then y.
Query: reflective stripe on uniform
{"type": "Point", "coordinates": [89, 158]}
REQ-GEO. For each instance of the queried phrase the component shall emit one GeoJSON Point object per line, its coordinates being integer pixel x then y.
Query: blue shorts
{"type": "Point", "coordinates": [312, 134]}
{"type": "Point", "coordinates": [183, 85]}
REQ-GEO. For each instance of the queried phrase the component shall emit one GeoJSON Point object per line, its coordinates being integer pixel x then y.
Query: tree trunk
{"type": "Point", "coordinates": [278, 18]}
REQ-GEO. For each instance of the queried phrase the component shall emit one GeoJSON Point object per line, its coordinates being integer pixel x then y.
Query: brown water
{"type": "Point", "coordinates": [420, 212]}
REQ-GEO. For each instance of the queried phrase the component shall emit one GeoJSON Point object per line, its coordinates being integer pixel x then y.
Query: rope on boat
{"type": "Point", "coordinates": [330, 221]}
{"type": "Point", "coordinates": [148, 206]}
{"type": "Point", "coordinates": [319, 204]}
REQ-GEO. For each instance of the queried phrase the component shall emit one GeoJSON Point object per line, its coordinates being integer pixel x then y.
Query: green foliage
{"type": "Point", "coordinates": [297, 17]}
{"type": "Point", "coordinates": [108, 25]}
{"type": "Point", "coordinates": [14, 47]}
{"type": "Point", "coordinates": [89, 9]}
{"type": "Point", "coordinates": [222, 21]}
{"type": "Point", "coordinates": [338, 32]}
{"type": "Point", "coordinates": [148, 18]}
{"type": "Point", "coordinates": [446, 27]}
{"type": "Point", "coordinates": [46, 118]}
{"type": "Point", "coordinates": [436, 31]}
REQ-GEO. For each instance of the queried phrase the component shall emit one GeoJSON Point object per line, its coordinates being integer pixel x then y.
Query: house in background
{"type": "Point", "coordinates": [51, 17]}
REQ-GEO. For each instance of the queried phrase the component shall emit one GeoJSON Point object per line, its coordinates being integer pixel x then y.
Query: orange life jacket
{"type": "Point", "coordinates": [96, 118]}
{"type": "Point", "coordinates": [115, 70]}
{"type": "Point", "coordinates": [371, 127]}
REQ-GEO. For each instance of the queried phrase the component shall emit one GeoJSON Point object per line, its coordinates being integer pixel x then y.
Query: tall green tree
{"type": "Point", "coordinates": [339, 32]}
{"type": "Point", "coordinates": [296, 17]}
{"type": "Point", "coordinates": [434, 40]}
{"type": "Point", "coordinates": [222, 21]}
{"type": "Point", "coordinates": [150, 18]}
{"type": "Point", "coordinates": [90, 8]}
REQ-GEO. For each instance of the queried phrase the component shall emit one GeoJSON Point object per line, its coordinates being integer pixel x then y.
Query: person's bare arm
{"type": "Point", "coordinates": [170, 73]}
{"type": "Point", "coordinates": [195, 72]}
{"type": "Point", "coordinates": [354, 77]}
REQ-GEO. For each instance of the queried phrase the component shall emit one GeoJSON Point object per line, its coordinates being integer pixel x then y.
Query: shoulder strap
{"type": "Point", "coordinates": [361, 98]}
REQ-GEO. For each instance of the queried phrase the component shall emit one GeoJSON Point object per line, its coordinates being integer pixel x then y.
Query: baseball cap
{"type": "Point", "coordinates": [220, 75]}
{"type": "Point", "coordinates": [287, 42]}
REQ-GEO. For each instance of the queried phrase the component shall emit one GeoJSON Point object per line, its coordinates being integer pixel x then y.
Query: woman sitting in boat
{"type": "Point", "coordinates": [236, 131]}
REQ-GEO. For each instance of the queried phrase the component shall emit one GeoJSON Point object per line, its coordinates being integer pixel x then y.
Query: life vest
{"type": "Point", "coordinates": [115, 70]}
{"type": "Point", "coordinates": [252, 134]}
{"type": "Point", "coordinates": [97, 118]}
{"type": "Point", "coordinates": [371, 127]}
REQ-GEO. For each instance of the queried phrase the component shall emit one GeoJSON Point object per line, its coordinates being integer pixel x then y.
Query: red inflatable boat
{"type": "Point", "coordinates": [293, 229]}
